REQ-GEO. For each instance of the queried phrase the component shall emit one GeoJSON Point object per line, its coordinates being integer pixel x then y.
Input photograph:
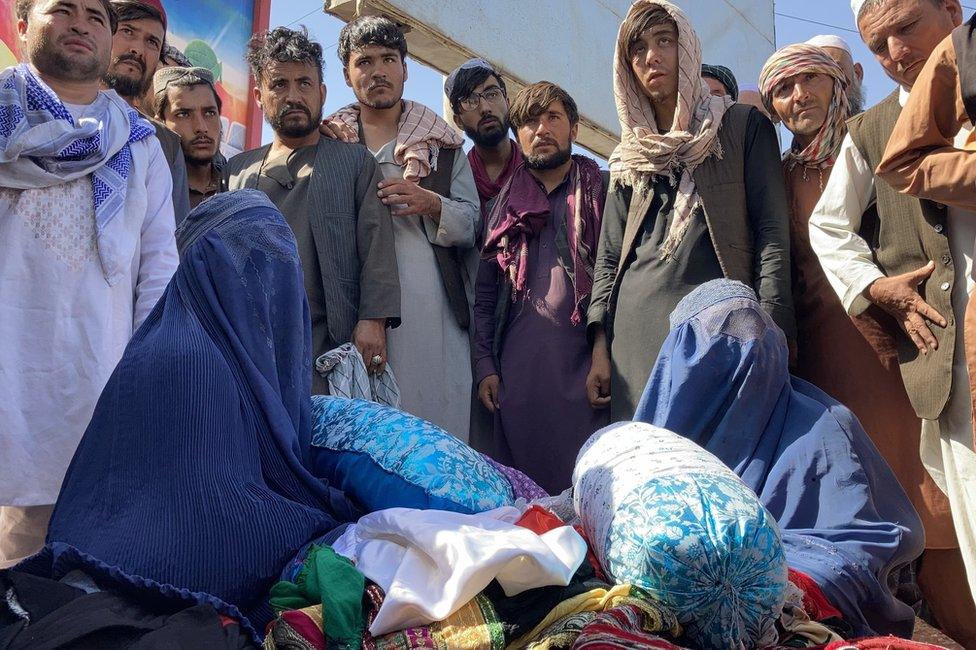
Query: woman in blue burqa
{"type": "Point", "coordinates": [189, 482]}
{"type": "Point", "coordinates": [722, 380]}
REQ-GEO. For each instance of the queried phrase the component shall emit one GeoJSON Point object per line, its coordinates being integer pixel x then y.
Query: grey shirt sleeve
{"type": "Point", "coordinates": [379, 280]}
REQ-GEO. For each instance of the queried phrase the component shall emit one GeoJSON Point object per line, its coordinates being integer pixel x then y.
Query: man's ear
{"type": "Point", "coordinates": [22, 31]}
{"type": "Point", "coordinates": [574, 132]}
{"type": "Point", "coordinates": [345, 75]}
{"type": "Point", "coordinates": [859, 71]}
{"type": "Point", "coordinates": [457, 121]}
{"type": "Point", "coordinates": [256, 91]}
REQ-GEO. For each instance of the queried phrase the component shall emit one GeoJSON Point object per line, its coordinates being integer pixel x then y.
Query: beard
{"type": "Point", "coordinates": [49, 58]}
{"type": "Point", "coordinates": [551, 161]}
{"type": "Point", "coordinates": [194, 159]}
{"type": "Point", "coordinates": [277, 122]}
{"type": "Point", "coordinates": [379, 104]}
{"type": "Point", "coordinates": [125, 85]}
{"type": "Point", "coordinates": [855, 100]}
{"type": "Point", "coordinates": [488, 138]}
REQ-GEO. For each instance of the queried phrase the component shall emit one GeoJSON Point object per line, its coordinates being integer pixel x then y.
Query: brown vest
{"type": "Point", "coordinates": [965, 47]}
{"type": "Point", "coordinates": [904, 233]}
{"type": "Point", "coordinates": [449, 262]}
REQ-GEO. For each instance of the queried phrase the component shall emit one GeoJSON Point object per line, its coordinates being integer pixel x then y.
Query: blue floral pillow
{"type": "Point", "coordinates": [664, 514]}
{"type": "Point", "coordinates": [385, 458]}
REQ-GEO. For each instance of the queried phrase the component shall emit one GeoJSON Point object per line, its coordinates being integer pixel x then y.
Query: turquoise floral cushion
{"type": "Point", "coordinates": [664, 514]}
{"type": "Point", "coordinates": [385, 458]}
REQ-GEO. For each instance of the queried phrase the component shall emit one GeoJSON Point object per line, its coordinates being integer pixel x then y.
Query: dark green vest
{"type": "Point", "coordinates": [904, 234]}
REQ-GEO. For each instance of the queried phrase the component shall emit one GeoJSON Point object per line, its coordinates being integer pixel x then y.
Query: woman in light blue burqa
{"type": "Point", "coordinates": [722, 380]}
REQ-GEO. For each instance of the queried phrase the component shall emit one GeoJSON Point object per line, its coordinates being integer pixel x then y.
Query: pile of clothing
{"type": "Point", "coordinates": [197, 511]}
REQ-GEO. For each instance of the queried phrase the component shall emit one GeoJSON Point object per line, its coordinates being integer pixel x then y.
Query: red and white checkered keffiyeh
{"type": "Point", "coordinates": [644, 150]}
{"type": "Point", "coordinates": [797, 59]}
{"type": "Point", "coordinates": [421, 133]}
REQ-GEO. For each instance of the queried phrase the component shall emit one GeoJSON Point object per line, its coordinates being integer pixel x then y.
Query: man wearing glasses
{"type": "Point", "coordinates": [480, 104]}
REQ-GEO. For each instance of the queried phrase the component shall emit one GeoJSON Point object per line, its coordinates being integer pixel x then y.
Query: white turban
{"type": "Point", "coordinates": [829, 40]}
{"type": "Point", "coordinates": [856, 8]}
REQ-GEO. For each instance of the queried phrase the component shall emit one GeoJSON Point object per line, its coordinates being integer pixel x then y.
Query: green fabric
{"type": "Point", "coordinates": [333, 581]}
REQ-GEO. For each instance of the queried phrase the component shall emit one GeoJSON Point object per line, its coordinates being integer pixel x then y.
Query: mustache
{"type": "Point", "coordinates": [294, 107]}
{"type": "Point", "coordinates": [378, 84]}
{"type": "Point", "coordinates": [202, 140]}
{"type": "Point", "coordinates": [548, 141]}
{"type": "Point", "coordinates": [130, 58]}
{"type": "Point", "coordinates": [81, 39]}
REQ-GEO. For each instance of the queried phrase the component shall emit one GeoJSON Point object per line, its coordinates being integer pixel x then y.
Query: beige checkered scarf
{"type": "Point", "coordinates": [643, 151]}
{"type": "Point", "coordinates": [420, 135]}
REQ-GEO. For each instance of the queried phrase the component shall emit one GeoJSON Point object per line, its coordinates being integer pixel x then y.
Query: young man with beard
{"type": "Point", "coordinates": [910, 258]}
{"type": "Point", "coordinates": [531, 352]}
{"type": "Point", "coordinates": [479, 102]}
{"type": "Point", "coordinates": [188, 104]}
{"type": "Point", "coordinates": [136, 47]}
{"type": "Point", "coordinates": [696, 193]}
{"type": "Point", "coordinates": [326, 190]}
{"type": "Point", "coordinates": [436, 220]}
{"type": "Point", "coordinates": [838, 50]}
{"type": "Point", "coordinates": [86, 249]}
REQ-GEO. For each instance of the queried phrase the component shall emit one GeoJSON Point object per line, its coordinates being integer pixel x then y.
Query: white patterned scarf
{"type": "Point", "coordinates": [644, 151]}
{"type": "Point", "coordinates": [42, 146]}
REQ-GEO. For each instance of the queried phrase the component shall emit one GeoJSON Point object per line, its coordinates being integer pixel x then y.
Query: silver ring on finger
{"type": "Point", "coordinates": [376, 360]}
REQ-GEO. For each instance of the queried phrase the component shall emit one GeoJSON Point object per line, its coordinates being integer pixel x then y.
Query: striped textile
{"type": "Point", "coordinates": [643, 150]}
{"type": "Point", "coordinates": [797, 59]}
{"type": "Point", "coordinates": [421, 133]}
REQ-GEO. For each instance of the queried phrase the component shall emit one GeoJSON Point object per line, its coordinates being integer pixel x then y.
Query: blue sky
{"type": "Point", "coordinates": [796, 21]}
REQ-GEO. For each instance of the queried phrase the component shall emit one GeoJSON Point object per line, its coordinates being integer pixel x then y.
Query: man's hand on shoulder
{"type": "Point", "coordinates": [338, 130]}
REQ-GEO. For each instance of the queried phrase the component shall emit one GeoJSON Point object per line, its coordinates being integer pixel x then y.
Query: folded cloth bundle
{"type": "Point", "coordinates": [430, 562]}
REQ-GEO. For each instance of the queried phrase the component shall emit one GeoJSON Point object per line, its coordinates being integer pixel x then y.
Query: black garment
{"type": "Point", "coordinates": [519, 614]}
{"type": "Point", "coordinates": [61, 616]}
{"type": "Point", "coordinates": [650, 290]}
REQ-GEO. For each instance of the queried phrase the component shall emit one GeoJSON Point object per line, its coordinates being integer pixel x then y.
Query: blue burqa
{"type": "Point", "coordinates": [722, 380]}
{"type": "Point", "coordinates": [189, 482]}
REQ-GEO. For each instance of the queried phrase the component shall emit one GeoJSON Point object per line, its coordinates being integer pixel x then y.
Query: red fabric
{"type": "Point", "coordinates": [539, 520]}
{"type": "Point", "coordinates": [815, 604]}
{"type": "Point", "coordinates": [881, 643]}
{"type": "Point", "coordinates": [306, 627]}
{"type": "Point", "coordinates": [620, 628]}
{"type": "Point", "coordinates": [487, 188]}
{"type": "Point", "coordinates": [591, 556]}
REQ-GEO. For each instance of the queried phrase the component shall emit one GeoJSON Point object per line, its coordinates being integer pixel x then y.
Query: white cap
{"type": "Point", "coordinates": [856, 8]}
{"type": "Point", "coordinates": [829, 40]}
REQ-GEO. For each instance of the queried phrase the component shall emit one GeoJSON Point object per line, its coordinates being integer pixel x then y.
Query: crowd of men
{"type": "Point", "coordinates": [519, 293]}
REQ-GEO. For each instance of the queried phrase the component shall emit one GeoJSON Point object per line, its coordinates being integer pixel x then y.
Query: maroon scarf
{"type": "Point", "coordinates": [520, 213]}
{"type": "Point", "coordinates": [487, 188]}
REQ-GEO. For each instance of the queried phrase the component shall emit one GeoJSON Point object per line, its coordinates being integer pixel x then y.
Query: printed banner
{"type": "Point", "coordinates": [213, 34]}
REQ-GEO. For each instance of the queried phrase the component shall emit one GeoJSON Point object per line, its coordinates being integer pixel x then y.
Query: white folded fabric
{"type": "Point", "coordinates": [432, 562]}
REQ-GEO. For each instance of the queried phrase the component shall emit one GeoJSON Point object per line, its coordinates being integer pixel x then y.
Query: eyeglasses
{"type": "Point", "coordinates": [473, 101]}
